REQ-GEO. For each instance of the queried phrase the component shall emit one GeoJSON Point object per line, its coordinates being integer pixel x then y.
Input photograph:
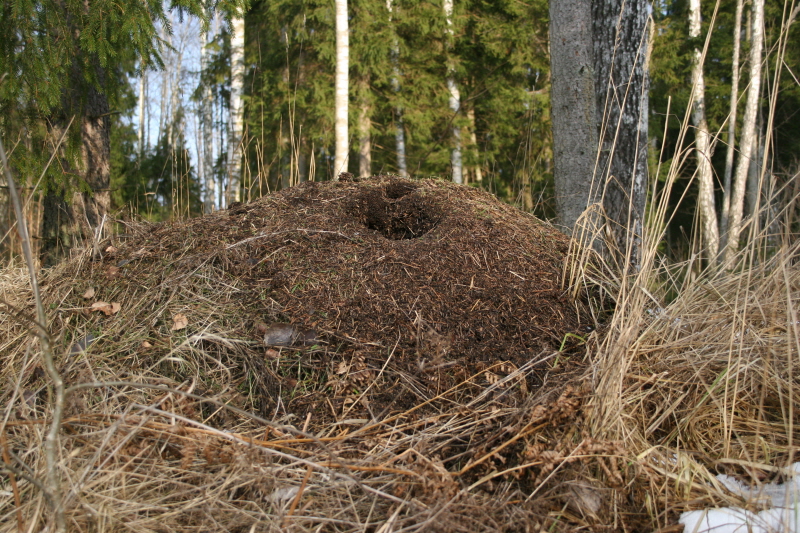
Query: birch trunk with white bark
{"type": "Point", "coordinates": [726, 183]}
{"type": "Point", "coordinates": [206, 125]}
{"type": "Point", "coordinates": [236, 124]}
{"type": "Point", "coordinates": [454, 100]}
{"type": "Point", "coordinates": [142, 105]}
{"type": "Point", "coordinates": [341, 155]}
{"type": "Point", "coordinates": [748, 134]}
{"type": "Point", "coordinates": [705, 173]}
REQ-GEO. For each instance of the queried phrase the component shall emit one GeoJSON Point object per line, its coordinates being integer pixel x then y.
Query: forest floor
{"type": "Point", "coordinates": [382, 355]}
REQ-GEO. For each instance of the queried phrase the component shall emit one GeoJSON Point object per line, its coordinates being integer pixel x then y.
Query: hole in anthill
{"type": "Point", "coordinates": [397, 212]}
{"type": "Point", "coordinates": [398, 190]}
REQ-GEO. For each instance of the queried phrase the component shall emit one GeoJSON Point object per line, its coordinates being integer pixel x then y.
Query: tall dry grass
{"type": "Point", "coordinates": [692, 374]}
{"type": "Point", "coordinates": [697, 371]}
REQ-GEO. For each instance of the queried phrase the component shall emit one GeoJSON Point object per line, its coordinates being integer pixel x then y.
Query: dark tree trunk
{"type": "Point", "coordinates": [620, 58]}
{"type": "Point", "coordinates": [74, 211]}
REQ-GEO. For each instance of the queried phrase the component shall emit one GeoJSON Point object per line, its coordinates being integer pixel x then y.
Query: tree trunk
{"type": "Point", "coordinates": [726, 185]}
{"type": "Point", "coordinates": [206, 126]}
{"type": "Point", "coordinates": [573, 108]}
{"type": "Point", "coordinates": [142, 105]}
{"type": "Point", "coordinates": [341, 156]}
{"type": "Point", "coordinates": [477, 173]}
{"type": "Point", "coordinates": [455, 98]}
{"type": "Point", "coordinates": [364, 127]}
{"type": "Point", "coordinates": [236, 125]}
{"type": "Point", "coordinates": [705, 173]}
{"type": "Point", "coordinates": [67, 225]}
{"type": "Point", "coordinates": [748, 133]}
{"type": "Point", "coordinates": [399, 127]}
{"type": "Point", "coordinates": [162, 124]}
{"type": "Point", "coordinates": [753, 191]}
{"type": "Point", "coordinates": [620, 32]}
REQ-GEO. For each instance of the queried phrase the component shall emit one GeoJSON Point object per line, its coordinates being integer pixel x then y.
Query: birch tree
{"type": "Point", "coordinates": [142, 107]}
{"type": "Point", "coordinates": [734, 105]}
{"type": "Point", "coordinates": [236, 124]}
{"type": "Point", "coordinates": [705, 173]}
{"type": "Point", "coordinates": [455, 97]}
{"type": "Point", "coordinates": [206, 127]}
{"type": "Point", "coordinates": [342, 81]}
{"type": "Point", "coordinates": [748, 133]}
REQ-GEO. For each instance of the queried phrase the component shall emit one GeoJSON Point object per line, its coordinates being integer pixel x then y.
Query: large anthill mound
{"type": "Point", "coordinates": [420, 280]}
{"type": "Point", "coordinates": [345, 354]}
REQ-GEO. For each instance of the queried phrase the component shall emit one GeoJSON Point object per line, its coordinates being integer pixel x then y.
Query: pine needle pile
{"type": "Point", "coordinates": [429, 369]}
{"type": "Point", "coordinates": [392, 355]}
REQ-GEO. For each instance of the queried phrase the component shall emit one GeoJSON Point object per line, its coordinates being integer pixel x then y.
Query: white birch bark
{"type": "Point", "coordinates": [236, 122]}
{"type": "Point", "coordinates": [726, 184]}
{"type": "Point", "coordinates": [142, 99]}
{"type": "Point", "coordinates": [165, 81]}
{"type": "Point", "coordinates": [705, 174]}
{"type": "Point", "coordinates": [175, 94]}
{"type": "Point", "coordinates": [206, 125]}
{"type": "Point", "coordinates": [340, 159]}
{"type": "Point", "coordinates": [748, 133]}
{"type": "Point", "coordinates": [454, 100]}
{"type": "Point", "coordinates": [399, 127]}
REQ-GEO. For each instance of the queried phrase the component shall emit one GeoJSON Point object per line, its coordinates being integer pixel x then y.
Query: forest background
{"type": "Point", "coordinates": [170, 116]}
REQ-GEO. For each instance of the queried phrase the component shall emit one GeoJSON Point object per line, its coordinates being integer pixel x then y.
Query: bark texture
{"type": "Point", "coordinates": [399, 127]}
{"type": "Point", "coordinates": [620, 29]}
{"type": "Point", "coordinates": [748, 133]}
{"type": "Point", "coordinates": [142, 106]}
{"type": "Point", "coordinates": [364, 130]}
{"type": "Point", "coordinates": [454, 100]}
{"type": "Point", "coordinates": [726, 187]}
{"type": "Point", "coordinates": [573, 108]}
{"type": "Point", "coordinates": [236, 125]}
{"type": "Point", "coordinates": [206, 126]}
{"type": "Point", "coordinates": [74, 211]}
{"type": "Point", "coordinates": [705, 173]}
{"type": "Point", "coordinates": [342, 89]}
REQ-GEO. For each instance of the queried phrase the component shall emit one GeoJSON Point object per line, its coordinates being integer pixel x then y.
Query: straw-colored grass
{"type": "Point", "coordinates": [170, 437]}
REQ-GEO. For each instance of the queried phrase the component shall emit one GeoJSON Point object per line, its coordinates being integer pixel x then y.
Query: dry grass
{"type": "Point", "coordinates": [624, 432]}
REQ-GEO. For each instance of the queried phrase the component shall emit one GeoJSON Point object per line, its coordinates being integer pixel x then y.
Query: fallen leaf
{"type": "Point", "coordinates": [89, 293]}
{"type": "Point", "coordinates": [179, 321]}
{"type": "Point", "coordinates": [342, 367]}
{"type": "Point", "coordinates": [112, 272]}
{"type": "Point", "coordinates": [146, 345]}
{"type": "Point", "coordinates": [109, 309]}
{"type": "Point", "coordinates": [111, 250]}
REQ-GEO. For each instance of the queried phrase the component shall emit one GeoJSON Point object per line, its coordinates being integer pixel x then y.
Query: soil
{"type": "Point", "coordinates": [414, 329]}
{"type": "Point", "coordinates": [425, 279]}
